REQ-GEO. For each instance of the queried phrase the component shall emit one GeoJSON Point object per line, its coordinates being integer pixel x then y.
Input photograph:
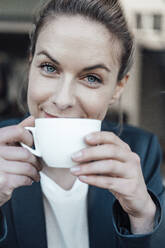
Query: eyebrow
{"type": "Point", "coordinates": [99, 66]}
{"type": "Point", "coordinates": [47, 55]}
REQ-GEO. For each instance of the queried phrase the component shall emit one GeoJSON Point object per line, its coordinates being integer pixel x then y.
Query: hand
{"type": "Point", "coordinates": [109, 163]}
{"type": "Point", "coordinates": [18, 166]}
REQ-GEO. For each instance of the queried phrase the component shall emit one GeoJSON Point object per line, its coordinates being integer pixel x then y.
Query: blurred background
{"type": "Point", "coordinates": [143, 103]}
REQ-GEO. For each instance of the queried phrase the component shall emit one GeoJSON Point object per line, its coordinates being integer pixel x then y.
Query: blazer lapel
{"type": "Point", "coordinates": [101, 232]}
{"type": "Point", "coordinates": [28, 215]}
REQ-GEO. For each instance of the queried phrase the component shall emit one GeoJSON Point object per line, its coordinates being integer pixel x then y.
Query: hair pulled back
{"type": "Point", "coordinates": [107, 12]}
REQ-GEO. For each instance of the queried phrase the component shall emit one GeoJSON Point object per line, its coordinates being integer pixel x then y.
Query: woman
{"type": "Point", "coordinates": [80, 55]}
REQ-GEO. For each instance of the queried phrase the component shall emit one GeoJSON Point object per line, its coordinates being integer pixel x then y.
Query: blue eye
{"type": "Point", "coordinates": [48, 68]}
{"type": "Point", "coordinates": [93, 79]}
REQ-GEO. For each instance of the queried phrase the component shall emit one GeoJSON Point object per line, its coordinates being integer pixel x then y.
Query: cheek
{"type": "Point", "coordinates": [34, 94]}
{"type": "Point", "coordinates": [37, 92]}
{"type": "Point", "coordinates": [38, 87]}
{"type": "Point", "coordinates": [96, 105]}
{"type": "Point", "coordinates": [32, 99]}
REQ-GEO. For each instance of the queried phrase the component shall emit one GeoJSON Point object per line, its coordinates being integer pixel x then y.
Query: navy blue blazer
{"type": "Point", "coordinates": [23, 221]}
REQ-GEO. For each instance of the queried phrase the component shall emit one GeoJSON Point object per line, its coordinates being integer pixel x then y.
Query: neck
{"type": "Point", "coordinates": [61, 176]}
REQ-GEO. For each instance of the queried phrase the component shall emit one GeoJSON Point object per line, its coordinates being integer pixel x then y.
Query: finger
{"type": "Point", "coordinates": [16, 133]}
{"type": "Point", "coordinates": [106, 138]}
{"type": "Point", "coordinates": [101, 152]}
{"type": "Point", "coordinates": [21, 154]}
{"type": "Point", "coordinates": [15, 181]}
{"type": "Point", "coordinates": [20, 168]}
{"type": "Point", "coordinates": [28, 122]}
{"type": "Point", "coordinates": [99, 181]}
{"type": "Point", "coordinates": [117, 186]}
{"type": "Point", "coordinates": [8, 182]}
{"type": "Point", "coordinates": [104, 167]}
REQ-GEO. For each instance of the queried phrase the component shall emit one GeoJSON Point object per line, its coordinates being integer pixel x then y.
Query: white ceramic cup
{"type": "Point", "coordinates": [56, 139]}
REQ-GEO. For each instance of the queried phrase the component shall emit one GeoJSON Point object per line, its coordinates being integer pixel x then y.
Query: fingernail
{"type": "Point", "coordinates": [83, 178]}
{"type": "Point", "coordinates": [77, 155]}
{"type": "Point", "coordinates": [89, 137]}
{"type": "Point", "coordinates": [75, 169]}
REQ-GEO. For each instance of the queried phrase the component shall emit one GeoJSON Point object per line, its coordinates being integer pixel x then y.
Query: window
{"type": "Point", "coordinates": [139, 21]}
{"type": "Point", "coordinates": [157, 22]}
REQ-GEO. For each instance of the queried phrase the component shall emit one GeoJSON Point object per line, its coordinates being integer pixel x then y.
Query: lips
{"type": "Point", "coordinates": [47, 115]}
{"type": "Point", "coordinates": [50, 115]}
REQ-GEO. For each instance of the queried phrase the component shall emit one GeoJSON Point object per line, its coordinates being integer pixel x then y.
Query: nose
{"type": "Point", "coordinates": [64, 95]}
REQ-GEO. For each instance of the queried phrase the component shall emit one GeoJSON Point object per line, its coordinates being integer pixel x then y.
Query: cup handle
{"type": "Point", "coordinates": [36, 151]}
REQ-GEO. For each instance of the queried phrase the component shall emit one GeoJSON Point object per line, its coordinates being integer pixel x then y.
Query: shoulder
{"type": "Point", "coordinates": [126, 130]}
{"type": "Point", "coordinates": [143, 143]}
{"type": "Point", "coordinates": [137, 138]}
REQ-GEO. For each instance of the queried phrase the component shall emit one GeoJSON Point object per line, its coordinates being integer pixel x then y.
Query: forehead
{"type": "Point", "coordinates": [81, 39]}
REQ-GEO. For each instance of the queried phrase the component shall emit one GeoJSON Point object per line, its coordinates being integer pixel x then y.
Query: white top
{"type": "Point", "coordinates": [66, 214]}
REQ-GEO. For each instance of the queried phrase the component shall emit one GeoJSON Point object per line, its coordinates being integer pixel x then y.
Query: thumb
{"type": "Point", "coordinates": [28, 122]}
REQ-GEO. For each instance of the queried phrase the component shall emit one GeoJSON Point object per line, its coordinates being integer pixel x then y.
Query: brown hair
{"type": "Point", "coordinates": [107, 12]}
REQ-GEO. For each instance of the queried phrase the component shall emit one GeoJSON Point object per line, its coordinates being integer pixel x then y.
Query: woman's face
{"type": "Point", "coordinates": [74, 70]}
